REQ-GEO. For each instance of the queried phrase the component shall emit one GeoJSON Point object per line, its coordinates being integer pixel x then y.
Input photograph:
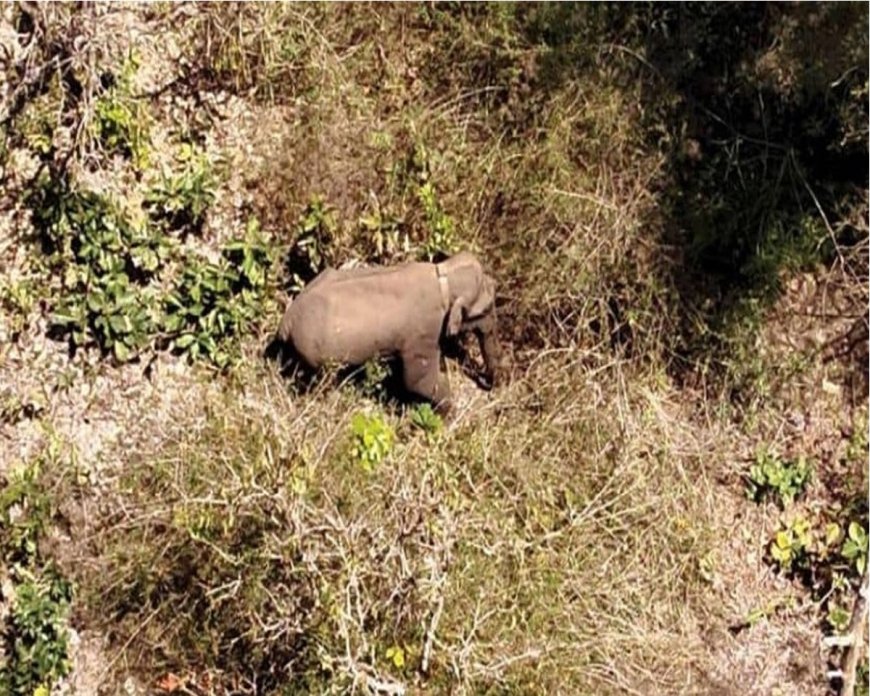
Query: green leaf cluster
{"type": "Point", "coordinates": [213, 302]}
{"type": "Point", "coordinates": [181, 198]}
{"type": "Point", "coordinates": [385, 234]}
{"type": "Point", "coordinates": [36, 645]}
{"type": "Point", "coordinates": [120, 123]}
{"type": "Point", "coordinates": [115, 289]}
{"type": "Point", "coordinates": [313, 239]}
{"type": "Point", "coordinates": [855, 547]}
{"type": "Point", "coordinates": [802, 545]}
{"type": "Point", "coordinates": [442, 229]}
{"type": "Point", "coordinates": [792, 544]}
{"type": "Point", "coordinates": [39, 637]}
{"type": "Point", "coordinates": [375, 372]}
{"type": "Point", "coordinates": [771, 475]}
{"type": "Point", "coordinates": [106, 265]}
{"type": "Point", "coordinates": [425, 418]}
{"type": "Point", "coordinates": [373, 440]}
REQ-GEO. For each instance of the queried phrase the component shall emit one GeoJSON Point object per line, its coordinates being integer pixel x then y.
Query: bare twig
{"type": "Point", "coordinates": [857, 629]}
{"type": "Point", "coordinates": [430, 635]}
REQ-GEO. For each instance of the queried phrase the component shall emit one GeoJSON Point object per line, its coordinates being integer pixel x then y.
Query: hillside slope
{"type": "Point", "coordinates": [668, 495]}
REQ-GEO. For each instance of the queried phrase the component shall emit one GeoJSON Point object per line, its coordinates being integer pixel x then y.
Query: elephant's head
{"type": "Point", "coordinates": [471, 291]}
{"type": "Point", "coordinates": [472, 307]}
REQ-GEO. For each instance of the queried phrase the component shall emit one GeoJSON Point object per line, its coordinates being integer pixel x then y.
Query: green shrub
{"type": "Point", "coordinates": [105, 264]}
{"type": "Point", "coordinates": [385, 235]}
{"type": "Point", "coordinates": [313, 242]}
{"type": "Point", "coordinates": [792, 545]}
{"type": "Point", "coordinates": [855, 547]}
{"type": "Point", "coordinates": [838, 617]}
{"type": "Point", "coordinates": [36, 639]}
{"type": "Point", "coordinates": [438, 237]}
{"type": "Point", "coordinates": [424, 417]}
{"type": "Point", "coordinates": [862, 680]}
{"type": "Point", "coordinates": [212, 304]}
{"type": "Point", "coordinates": [25, 510]}
{"type": "Point", "coordinates": [113, 275]}
{"type": "Point", "coordinates": [824, 552]}
{"type": "Point", "coordinates": [120, 120]}
{"type": "Point", "coordinates": [18, 298]}
{"type": "Point", "coordinates": [372, 440]}
{"type": "Point", "coordinates": [37, 124]}
{"type": "Point", "coordinates": [771, 475]}
{"type": "Point", "coordinates": [375, 372]}
{"type": "Point", "coordinates": [441, 240]}
{"type": "Point", "coordinates": [180, 199]}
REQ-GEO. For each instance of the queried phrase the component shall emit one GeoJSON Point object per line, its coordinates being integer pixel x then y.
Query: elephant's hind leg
{"type": "Point", "coordinates": [422, 376]}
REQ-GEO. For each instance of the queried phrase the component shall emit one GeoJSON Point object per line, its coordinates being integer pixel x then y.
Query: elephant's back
{"type": "Point", "coordinates": [345, 328]}
{"type": "Point", "coordinates": [351, 316]}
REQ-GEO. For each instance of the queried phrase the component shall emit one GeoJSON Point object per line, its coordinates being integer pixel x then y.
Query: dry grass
{"type": "Point", "coordinates": [511, 553]}
{"type": "Point", "coordinates": [581, 530]}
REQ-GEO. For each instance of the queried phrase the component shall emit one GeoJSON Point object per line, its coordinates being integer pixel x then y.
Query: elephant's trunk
{"type": "Point", "coordinates": [487, 336]}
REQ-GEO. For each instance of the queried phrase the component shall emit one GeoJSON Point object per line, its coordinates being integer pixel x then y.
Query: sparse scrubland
{"type": "Point", "coordinates": [669, 493]}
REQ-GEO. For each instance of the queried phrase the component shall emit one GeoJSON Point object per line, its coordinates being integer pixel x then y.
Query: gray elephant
{"type": "Point", "coordinates": [350, 316]}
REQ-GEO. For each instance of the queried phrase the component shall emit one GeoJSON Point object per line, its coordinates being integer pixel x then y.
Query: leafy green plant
{"type": "Point", "coordinates": [769, 610]}
{"type": "Point", "coordinates": [214, 302]}
{"type": "Point", "coordinates": [252, 256]}
{"type": "Point", "coordinates": [36, 642]}
{"type": "Point", "coordinates": [311, 249]}
{"type": "Point", "coordinates": [25, 511]}
{"type": "Point", "coordinates": [800, 544]}
{"type": "Point", "coordinates": [791, 545]}
{"type": "Point", "coordinates": [424, 417]}
{"type": "Point", "coordinates": [862, 680]}
{"type": "Point", "coordinates": [105, 264]}
{"type": "Point", "coordinates": [38, 122]}
{"type": "Point", "coordinates": [442, 229]}
{"type": "Point", "coordinates": [772, 475]}
{"type": "Point", "coordinates": [120, 120]}
{"type": "Point", "coordinates": [396, 655]}
{"type": "Point", "coordinates": [385, 234]}
{"type": "Point", "coordinates": [181, 198]}
{"type": "Point", "coordinates": [372, 440]}
{"type": "Point", "coordinates": [410, 179]}
{"type": "Point", "coordinates": [201, 310]}
{"type": "Point", "coordinates": [112, 314]}
{"type": "Point", "coordinates": [112, 276]}
{"type": "Point", "coordinates": [38, 636]}
{"type": "Point", "coordinates": [855, 547]}
{"type": "Point", "coordinates": [18, 298]}
{"type": "Point", "coordinates": [838, 617]}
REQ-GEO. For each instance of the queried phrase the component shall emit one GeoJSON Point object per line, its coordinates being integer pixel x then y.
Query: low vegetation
{"type": "Point", "coordinates": [771, 475]}
{"type": "Point", "coordinates": [35, 638]}
{"type": "Point", "coordinates": [668, 491]}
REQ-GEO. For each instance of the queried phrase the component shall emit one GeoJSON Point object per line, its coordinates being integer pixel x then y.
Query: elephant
{"type": "Point", "coordinates": [351, 316]}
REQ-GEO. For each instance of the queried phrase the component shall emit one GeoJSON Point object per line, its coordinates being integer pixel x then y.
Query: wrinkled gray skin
{"type": "Point", "coordinates": [351, 316]}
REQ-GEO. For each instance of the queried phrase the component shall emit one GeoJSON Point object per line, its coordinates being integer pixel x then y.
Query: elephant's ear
{"type": "Point", "coordinates": [454, 317]}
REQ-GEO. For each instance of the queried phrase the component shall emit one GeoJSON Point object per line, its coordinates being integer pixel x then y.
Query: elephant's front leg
{"type": "Point", "coordinates": [421, 371]}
